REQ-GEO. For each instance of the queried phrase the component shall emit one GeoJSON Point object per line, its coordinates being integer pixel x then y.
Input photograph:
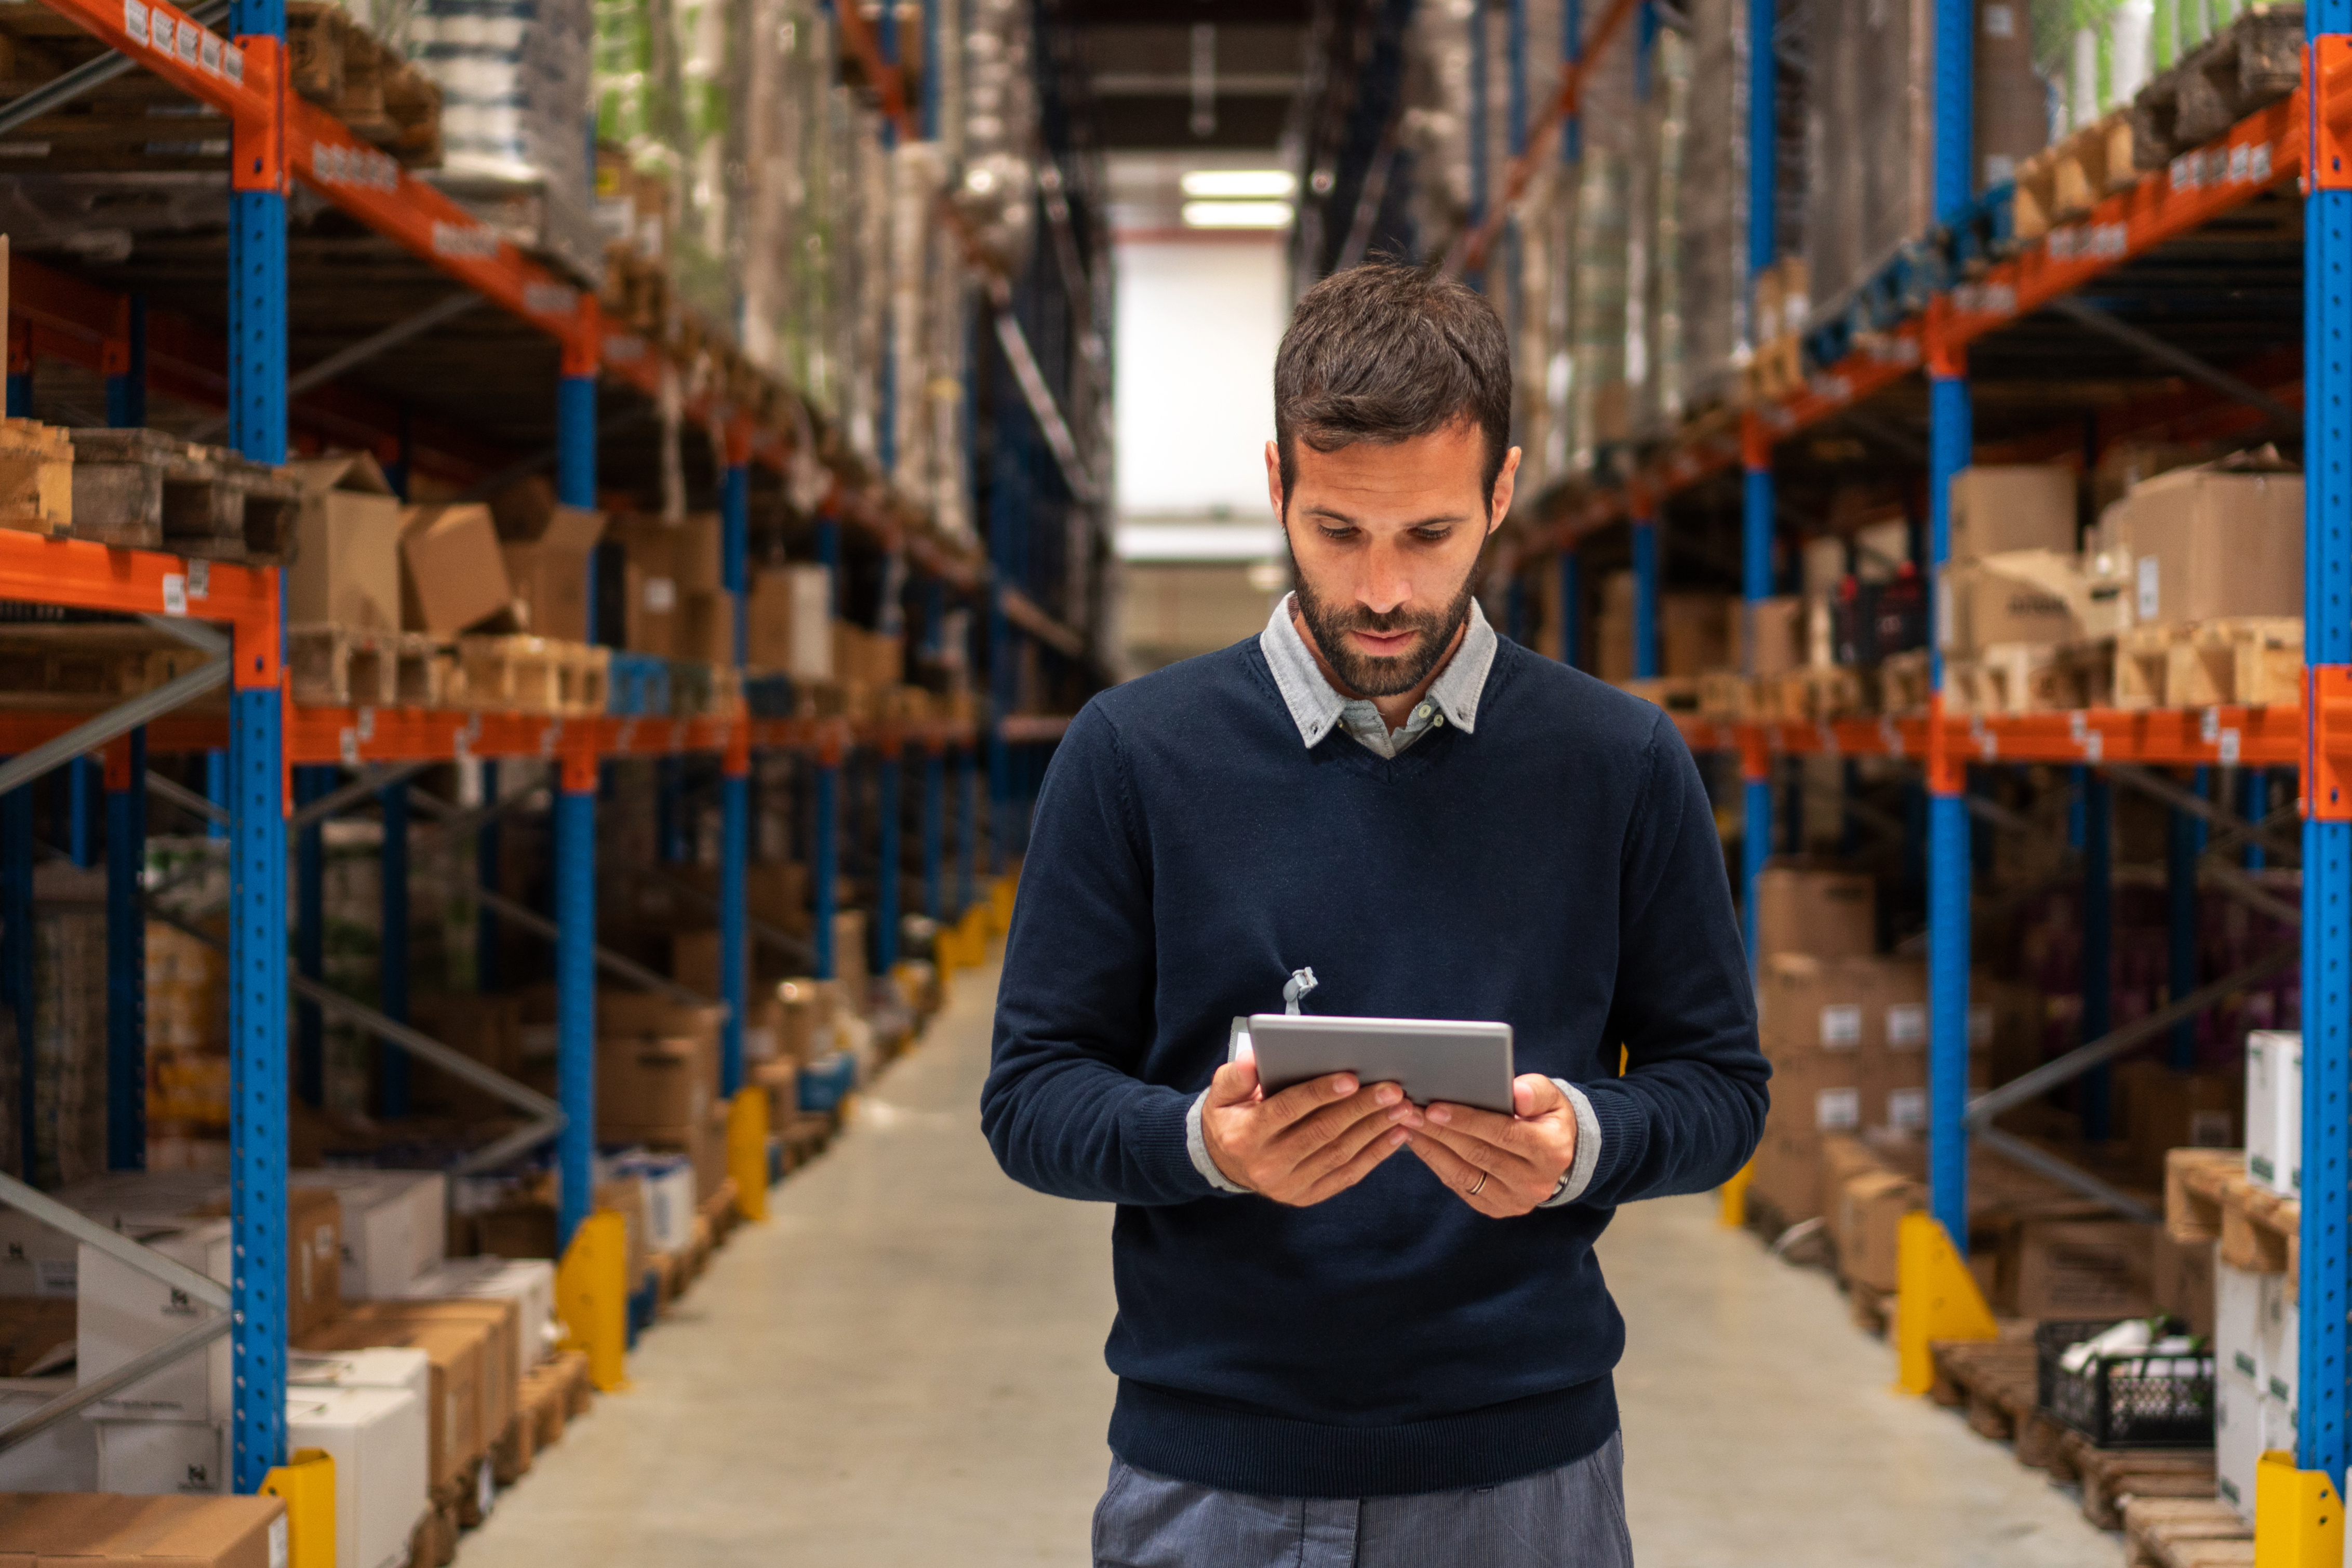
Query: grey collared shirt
{"type": "Point", "coordinates": [1452, 698]}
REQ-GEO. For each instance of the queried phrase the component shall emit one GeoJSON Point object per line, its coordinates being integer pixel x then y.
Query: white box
{"type": "Point", "coordinates": [669, 1200]}
{"type": "Point", "coordinates": [64, 1458]}
{"type": "Point", "coordinates": [2274, 1110]}
{"type": "Point", "coordinates": [157, 1458]}
{"type": "Point", "coordinates": [377, 1438]}
{"type": "Point", "coordinates": [2237, 1323]}
{"type": "Point", "coordinates": [2281, 1341]}
{"type": "Point", "coordinates": [36, 1260]}
{"type": "Point", "coordinates": [529, 1282]}
{"type": "Point", "coordinates": [122, 1314]}
{"type": "Point", "coordinates": [2278, 1424]}
{"type": "Point", "coordinates": [2237, 1441]}
{"type": "Point", "coordinates": [387, 1367]}
{"type": "Point", "coordinates": [396, 1226]}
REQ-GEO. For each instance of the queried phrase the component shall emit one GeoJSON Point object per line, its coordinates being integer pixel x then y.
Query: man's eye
{"type": "Point", "coordinates": [1432, 536]}
{"type": "Point", "coordinates": [1338, 535]}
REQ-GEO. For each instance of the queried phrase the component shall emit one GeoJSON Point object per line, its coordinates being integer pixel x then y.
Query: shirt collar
{"type": "Point", "coordinates": [1315, 707]}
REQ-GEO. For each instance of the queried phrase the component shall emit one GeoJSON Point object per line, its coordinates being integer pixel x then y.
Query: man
{"type": "Point", "coordinates": [1327, 1356]}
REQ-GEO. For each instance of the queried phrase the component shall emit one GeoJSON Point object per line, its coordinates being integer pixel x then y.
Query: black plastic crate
{"type": "Point", "coordinates": [2116, 1407]}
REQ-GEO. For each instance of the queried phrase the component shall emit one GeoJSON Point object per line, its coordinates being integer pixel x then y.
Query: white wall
{"type": "Point", "coordinates": [1198, 323]}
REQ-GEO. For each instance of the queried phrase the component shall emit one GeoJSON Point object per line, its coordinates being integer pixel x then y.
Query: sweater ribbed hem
{"type": "Point", "coordinates": [1234, 1449]}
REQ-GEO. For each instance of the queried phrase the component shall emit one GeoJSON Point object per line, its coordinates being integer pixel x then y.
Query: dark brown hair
{"type": "Point", "coordinates": [1384, 353]}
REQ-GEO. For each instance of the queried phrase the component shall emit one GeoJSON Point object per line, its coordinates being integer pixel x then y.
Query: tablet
{"type": "Point", "coordinates": [1430, 1059]}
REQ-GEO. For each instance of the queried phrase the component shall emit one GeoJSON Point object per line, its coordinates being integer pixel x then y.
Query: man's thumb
{"type": "Point", "coordinates": [1236, 1081]}
{"type": "Point", "coordinates": [1533, 1094]}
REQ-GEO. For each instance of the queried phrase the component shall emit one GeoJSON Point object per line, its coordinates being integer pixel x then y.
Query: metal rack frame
{"type": "Point", "coordinates": [2305, 138]}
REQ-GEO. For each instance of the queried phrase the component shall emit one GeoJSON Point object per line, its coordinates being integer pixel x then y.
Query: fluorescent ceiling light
{"type": "Point", "coordinates": [1228, 184]}
{"type": "Point", "coordinates": [1238, 214]}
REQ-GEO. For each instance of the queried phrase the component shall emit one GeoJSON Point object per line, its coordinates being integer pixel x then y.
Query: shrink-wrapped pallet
{"type": "Point", "coordinates": [1656, 372]}
{"type": "Point", "coordinates": [1714, 205]}
{"type": "Point", "coordinates": [1870, 139]}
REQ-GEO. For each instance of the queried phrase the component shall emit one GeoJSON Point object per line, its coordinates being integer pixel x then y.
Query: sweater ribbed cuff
{"type": "Point", "coordinates": [1575, 1181]}
{"type": "Point", "coordinates": [1159, 1136]}
{"type": "Point", "coordinates": [1196, 1142]}
{"type": "Point", "coordinates": [1625, 1134]}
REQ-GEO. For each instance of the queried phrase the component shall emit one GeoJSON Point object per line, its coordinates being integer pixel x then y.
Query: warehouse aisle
{"type": "Point", "coordinates": [905, 1368]}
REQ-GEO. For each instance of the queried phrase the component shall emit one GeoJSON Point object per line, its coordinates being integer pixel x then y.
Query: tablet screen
{"type": "Point", "coordinates": [1461, 1063]}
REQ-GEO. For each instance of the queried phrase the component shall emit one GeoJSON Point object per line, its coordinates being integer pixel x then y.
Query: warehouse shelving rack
{"type": "Point", "coordinates": [2304, 143]}
{"type": "Point", "coordinates": [278, 138]}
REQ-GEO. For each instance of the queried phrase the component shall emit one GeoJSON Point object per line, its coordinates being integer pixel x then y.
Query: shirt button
{"type": "Point", "coordinates": [1420, 712]}
{"type": "Point", "coordinates": [1437, 722]}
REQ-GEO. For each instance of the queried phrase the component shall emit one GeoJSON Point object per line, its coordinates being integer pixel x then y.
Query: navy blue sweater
{"type": "Point", "coordinates": [1559, 870]}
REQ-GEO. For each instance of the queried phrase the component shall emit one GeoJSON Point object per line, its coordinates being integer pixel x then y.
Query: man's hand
{"type": "Point", "coordinates": [1312, 1141]}
{"type": "Point", "coordinates": [1502, 1165]}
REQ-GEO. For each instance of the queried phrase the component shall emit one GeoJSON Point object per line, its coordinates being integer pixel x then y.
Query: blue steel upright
{"type": "Point", "coordinates": [2327, 1250]}
{"type": "Point", "coordinates": [1645, 598]}
{"type": "Point", "coordinates": [391, 953]}
{"type": "Point", "coordinates": [735, 791]}
{"type": "Point", "coordinates": [1951, 446]}
{"type": "Point", "coordinates": [575, 849]}
{"type": "Point", "coordinates": [126, 955]}
{"type": "Point", "coordinates": [1755, 583]}
{"type": "Point", "coordinates": [824, 861]}
{"type": "Point", "coordinates": [886, 874]}
{"type": "Point", "coordinates": [257, 1128]}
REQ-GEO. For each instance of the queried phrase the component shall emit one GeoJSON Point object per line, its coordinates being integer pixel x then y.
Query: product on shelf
{"type": "Point", "coordinates": [36, 476]}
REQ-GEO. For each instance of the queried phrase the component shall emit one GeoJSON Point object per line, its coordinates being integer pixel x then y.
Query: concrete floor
{"type": "Point", "coordinates": [904, 1368]}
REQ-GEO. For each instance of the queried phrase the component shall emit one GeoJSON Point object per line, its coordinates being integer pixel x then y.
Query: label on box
{"type": "Point", "coordinates": [661, 595]}
{"type": "Point", "coordinates": [55, 1276]}
{"type": "Point", "coordinates": [1837, 1109]}
{"type": "Point", "coordinates": [280, 1551]}
{"type": "Point", "coordinates": [2150, 597]}
{"type": "Point", "coordinates": [1907, 1025]}
{"type": "Point", "coordinates": [1842, 1027]}
{"type": "Point", "coordinates": [1907, 1110]}
{"type": "Point", "coordinates": [2000, 22]}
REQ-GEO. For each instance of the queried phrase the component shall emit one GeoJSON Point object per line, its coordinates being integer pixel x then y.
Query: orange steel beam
{"type": "Point", "coordinates": [2260, 736]}
{"type": "Point", "coordinates": [1468, 254]}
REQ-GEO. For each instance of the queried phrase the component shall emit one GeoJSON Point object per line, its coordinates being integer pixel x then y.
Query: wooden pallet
{"type": "Point", "coordinates": [2249, 662]}
{"type": "Point", "coordinates": [1777, 370]}
{"type": "Point", "coordinates": [148, 490]}
{"type": "Point", "coordinates": [36, 477]}
{"type": "Point", "coordinates": [806, 1137]}
{"type": "Point", "coordinates": [2208, 1195]}
{"type": "Point", "coordinates": [2109, 1476]}
{"type": "Point", "coordinates": [721, 1210]}
{"type": "Point", "coordinates": [1824, 695]}
{"type": "Point", "coordinates": [1990, 1380]}
{"type": "Point", "coordinates": [345, 667]}
{"type": "Point", "coordinates": [134, 121]}
{"type": "Point", "coordinates": [53, 667]}
{"type": "Point", "coordinates": [2185, 1532]}
{"type": "Point", "coordinates": [1723, 697]}
{"type": "Point", "coordinates": [380, 97]}
{"type": "Point", "coordinates": [530, 675]}
{"type": "Point", "coordinates": [1675, 694]}
{"type": "Point", "coordinates": [553, 1394]}
{"type": "Point", "coordinates": [1871, 1309]}
{"type": "Point", "coordinates": [1905, 683]}
{"type": "Point", "coordinates": [2258, 59]}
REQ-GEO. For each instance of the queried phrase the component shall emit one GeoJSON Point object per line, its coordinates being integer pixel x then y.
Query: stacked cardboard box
{"type": "Point", "coordinates": [120, 1532]}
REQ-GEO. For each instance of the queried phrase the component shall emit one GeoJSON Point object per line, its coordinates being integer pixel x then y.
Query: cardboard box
{"type": "Point", "coordinates": [649, 582]}
{"type": "Point", "coordinates": [2038, 597]}
{"type": "Point", "coordinates": [868, 658]}
{"type": "Point", "coordinates": [1871, 1208]}
{"type": "Point", "coordinates": [107, 1531]}
{"type": "Point", "coordinates": [1696, 632]}
{"type": "Point", "coordinates": [2164, 1110]}
{"type": "Point", "coordinates": [790, 622]}
{"type": "Point", "coordinates": [379, 1366]}
{"type": "Point", "coordinates": [704, 628]}
{"type": "Point", "coordinates": [2012, 101]}
{"type": "Point", "coordinates": [1785, 1174]}
{"type": "Point", "coordinates": [459, 1353]}
{"type": "Point", "coordinates": [2011, 507]}
{"type": "Point", "coordinates": [655, 1016]}
{"type": "Point", "coordinates": [2237, 1441]}
{"type": "Point", "coordinates": [626, 1196]}
{"type": "Point", "coordinates": [395, 1225]}
{"type": "Point", "coordinates": [528, 1283]}
{"type": "Point", "coordinates": [453, 576]}
{"type": "Point", "coordinates": [2085, 1269]}
{"type": "Point", "coordinates": [1775, 642]}
{"type": "Point", "coordinates": [2181, 1280]}
{"type": "Point", "coordinates": [2207, 542]}
{"type": "Point", "coordinates": [37, 1333]}
{"type": "Point", "coordinates": [121, 1313]}
{"type": "Point", "coordinates": [2279, 1331]}
{"type": "Point", "coordinates": [346, 565]}
{"type": "Point", "coordinates": [62, 1457]}
{"type": "Point", "coordinates": [650, 1089]}
{"type": "Point", "coordinates": [163, 1459]}
{"type": "Point", "coordinates": [499, 1319]}
{"type": "Point", "coordinates": [314, 1257]}
{"type": "Point", "coordinates": [804, 1019]}
{"type": "Point", "coordinates": [1848, 1004]}
{"type": "Point", "coordinates": [550, 572]}
{"type": "Point", "coordinates": [380, 1444]}
{"type": "Point", "coordinates": [699, 557]}
{"type": "Point", "coordinates": [1828, 913]}
{"type": "Point", "coordinates": [2273, 1110]}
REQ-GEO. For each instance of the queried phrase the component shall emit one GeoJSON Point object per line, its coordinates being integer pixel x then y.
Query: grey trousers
{"type": "Point", "coordinates": [1573, 1517]}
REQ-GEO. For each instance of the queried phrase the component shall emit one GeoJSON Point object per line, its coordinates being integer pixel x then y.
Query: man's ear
{"type": "Point", "coordinates": [1506, 482]}
{"type": "Point", "coordinates": [1273, 479]}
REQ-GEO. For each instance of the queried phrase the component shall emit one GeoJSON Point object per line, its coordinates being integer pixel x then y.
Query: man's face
{"type": "Point", "coordinates": [1385, 539]}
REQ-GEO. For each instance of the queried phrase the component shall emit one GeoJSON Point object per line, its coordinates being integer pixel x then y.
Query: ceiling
{"type": "Point", "coordinates": [1191, 75]}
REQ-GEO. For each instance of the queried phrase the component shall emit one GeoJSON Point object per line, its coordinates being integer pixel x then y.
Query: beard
{"type": "Point", "coordinates": [1394, 674]}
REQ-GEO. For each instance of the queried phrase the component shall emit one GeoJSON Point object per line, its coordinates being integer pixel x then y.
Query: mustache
{"type": "Point", "coordinates": [1384, 623]}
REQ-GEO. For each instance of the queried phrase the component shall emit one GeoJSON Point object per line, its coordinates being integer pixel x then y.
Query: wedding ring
{"type": "Point", "coordinates": [1482, 1184]}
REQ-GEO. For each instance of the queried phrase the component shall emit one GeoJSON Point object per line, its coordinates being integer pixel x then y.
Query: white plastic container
{"type": "Point", "coordinates": [2237, 1441]}
{"type": "Point", "coordinates": [396, 1226]}
{"type": "Point", "coordinates": [121, 1313]}
{"type": "Point", "coordinates": [2274, 1110]}
{"type": "Point", "coordinates": [162, 1459]}
{"type": "Point", "coordinates": [2238, 1324]}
